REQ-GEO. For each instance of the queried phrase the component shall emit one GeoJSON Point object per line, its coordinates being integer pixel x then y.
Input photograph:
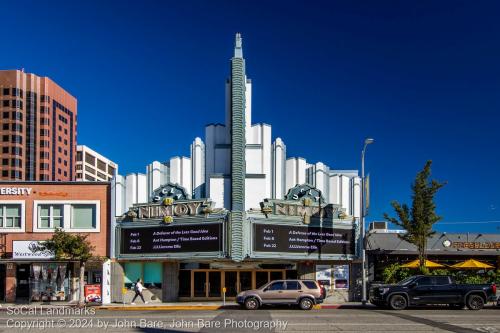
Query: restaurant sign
{"type": "Point", "coordinates": [476, 245]}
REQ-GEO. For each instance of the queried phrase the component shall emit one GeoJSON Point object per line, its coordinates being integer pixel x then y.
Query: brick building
{"type": "Point", "coordinates": [38, 128]}
{"type": "Point", "coordinates": [29, 213]}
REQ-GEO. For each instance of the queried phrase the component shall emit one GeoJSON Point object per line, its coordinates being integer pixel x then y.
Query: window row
{"type": "Point", "coordinates": [13, 127]}
{"type": "Point", "coordinates": [12, 138]}
{"type": "Point", "coordinates": [13, 92]}
{"type": "Point", "coordinates": [82, 216]}
{"type": "Point", "coordinates": [18, 151]}
{"type": "Point", "coordinates": [15, 115]}
{"type": "Point", "coordinates": [14, 103]}
{"type": "Point", "coordinates": [14, 174]}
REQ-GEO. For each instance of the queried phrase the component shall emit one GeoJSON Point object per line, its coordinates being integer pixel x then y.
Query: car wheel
{"type": "Point", "coordinates": [398, 302]}
{"type": "Point", "coordinates": [251, 303]}
{"type": "Point", "coordinates": [475, 302]}
{"type": "Point", "coordinates": [306, 304]}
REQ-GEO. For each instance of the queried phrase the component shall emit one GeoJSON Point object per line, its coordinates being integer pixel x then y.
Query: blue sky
{"type": "Point", "coordinates": [421, 77]}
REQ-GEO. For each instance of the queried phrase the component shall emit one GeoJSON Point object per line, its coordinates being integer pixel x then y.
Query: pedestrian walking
{"type": "Point", "coordinates": [138, 288]}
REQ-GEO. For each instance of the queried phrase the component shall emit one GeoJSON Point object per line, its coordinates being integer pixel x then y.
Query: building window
{"type": "Point", "coordinates": [5, 173]}
{"type": "Point", "coordinates": [59, 139]}
{"type": "Point", "coordinates": [50, 216]}
{"type": "Point", "coordinates": [5, 161]}
{"type": "Point", "coordinates": [6, 102]}
{"type": "Point", "coordinates": [44, 98]}
{"type": "Point", "coordinates": [18, 151]}
{"type": "Point", "coordinates": [101, 175]}
{"type": "Point", "coordinates": [65, 163]}
{"type": "Point", "coordinates": [5, 127]}
{"type": "Point", "coordinates": [16, 92]}
{"type": "Point", "coordinates": [78, 155]}
{"type": "Point", "coordinates": [59, 171]}
{"type": "Point", "coordinates": [44, 132]}
{"type": "Point", "coordinates": [17, 139]}
{"type": "Point", "coordinates": [17, 127]}
{"type": "Point", "coordinates": [65, 173]}
{"type": "Point", "coordinates": [44, 143]}
{"type": "Point", "coordinates": [6, 91]}
{"type": "Point", "coordinates": [65, 152]}
{"type": "Point", "coordinates": [44, 166]}
{"type": "Point", "coordinates": [44, 121]}
{"type": "Point", "coordinates": [15, 162]}
{"type": "Point", "coordinates": [83, 216]}
{"type": "Point", "coordinates": [10, 216]}
{"type": "Point", "coordinates": [65, 141]}
{"type": "Point", "coordinates": [111, 170]}
{"type": "Point", "coordinates": [89, 169]}
{"type": "Point", "coordinates": [90, 178]}
{"type": "Point", "coordinates": [78, 176]}
{"type": "Point", "coordinates": [65, 131]}
{"type": "Point", "coordinates": [5, 138]}
{"type": "Point", "coordinates": [5, 115]}
{"type": "Point", "coordinates": [101, 165]}
{"type": "Point", "coordinates": [5, 150]}
{"type": "Point", "coordinates": [17, 116]}
{"type": "Point", "coordinates": [89, 159]}
{"type": "Point", "coordinates": [59, 160]}
{"type": "Point", "coordinates": [16, 174]}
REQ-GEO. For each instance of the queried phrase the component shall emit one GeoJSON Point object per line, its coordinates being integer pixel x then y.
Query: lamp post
{"type": "Point", "coordinates": [362, 221]}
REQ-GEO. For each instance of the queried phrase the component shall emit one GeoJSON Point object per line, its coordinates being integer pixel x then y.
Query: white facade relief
{"type": "Point", "coordinates": [206, 173]}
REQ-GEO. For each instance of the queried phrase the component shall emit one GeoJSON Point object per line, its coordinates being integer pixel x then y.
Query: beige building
{"type": "Point", "coordinates": [92, 166]}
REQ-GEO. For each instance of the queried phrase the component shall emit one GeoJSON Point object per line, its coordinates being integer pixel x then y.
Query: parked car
{"type": "Point", "coordinates": [422, 290]}
{"type": "Point", "coordinates": [305, 293]}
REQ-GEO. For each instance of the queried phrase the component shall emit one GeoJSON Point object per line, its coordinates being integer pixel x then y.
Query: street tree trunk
{"type": "Point", "coordinates": [81, 297]}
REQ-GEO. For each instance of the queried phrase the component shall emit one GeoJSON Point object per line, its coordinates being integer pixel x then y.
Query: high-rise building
{"type": "Point", "coordinates": [92, 166]}
{"type": "Point", "coordinates": [38, 128]}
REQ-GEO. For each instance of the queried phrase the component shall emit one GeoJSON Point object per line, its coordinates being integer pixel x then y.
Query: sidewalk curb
{"type": "Point", "coordinates": [191, 307]}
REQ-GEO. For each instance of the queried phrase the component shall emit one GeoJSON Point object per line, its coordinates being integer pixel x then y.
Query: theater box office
{"type": "Point", "coordinates": [182, 249]}
{"type": "Point", "coordinates": [29, 213]}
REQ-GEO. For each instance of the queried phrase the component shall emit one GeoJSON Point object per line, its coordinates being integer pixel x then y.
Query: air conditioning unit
{"type": "Point", "coordinates": [379, 225]}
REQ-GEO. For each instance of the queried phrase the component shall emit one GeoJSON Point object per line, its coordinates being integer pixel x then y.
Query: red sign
{"type": "Point", "coordinates": [93, 293]}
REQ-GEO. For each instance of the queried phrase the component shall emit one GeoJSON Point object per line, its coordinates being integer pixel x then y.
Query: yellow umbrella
{"type": "Point", "coordinates": [471, 263]}
{"type": "Point", "coordinates": [416, 264]}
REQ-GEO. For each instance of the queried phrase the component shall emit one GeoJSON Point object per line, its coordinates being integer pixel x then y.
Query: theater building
{"type": "Point", "coordinates": [29, 213]}
{"type": "Point", "coordinates": [235, 214]}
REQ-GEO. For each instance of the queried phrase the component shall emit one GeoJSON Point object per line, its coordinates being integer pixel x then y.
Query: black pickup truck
{"type": "Point", "coordinates": [425, 289]}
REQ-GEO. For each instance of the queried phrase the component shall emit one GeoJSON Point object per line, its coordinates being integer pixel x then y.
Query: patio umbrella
{"type": "Point", "coordinates": [416, 264]}
{"type": "Point", "coordinates": [472, 264]}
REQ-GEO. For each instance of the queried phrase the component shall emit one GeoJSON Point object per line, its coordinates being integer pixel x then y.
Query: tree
{"type": "Point", "coordinates": [72, 247]}
{"type": "Point", "coordinates": [418, 221]}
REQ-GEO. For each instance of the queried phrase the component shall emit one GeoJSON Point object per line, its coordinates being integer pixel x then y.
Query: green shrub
{"type": "Point", "coordinates": [395, 273]}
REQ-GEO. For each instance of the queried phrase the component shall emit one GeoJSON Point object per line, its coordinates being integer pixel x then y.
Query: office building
{"type": "Point", "coordinates": [92, 166]}
{"type": "Point", "coordinates": [38, 128]}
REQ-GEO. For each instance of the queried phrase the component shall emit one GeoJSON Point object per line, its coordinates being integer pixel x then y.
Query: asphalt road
{"type": "Point", "coordinates": [264, 320]}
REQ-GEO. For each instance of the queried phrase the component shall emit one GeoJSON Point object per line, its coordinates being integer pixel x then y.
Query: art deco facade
{"type": "Point", "coordinates": [38, 128]}
{"type": "Point", "coordinates": [268, 171]}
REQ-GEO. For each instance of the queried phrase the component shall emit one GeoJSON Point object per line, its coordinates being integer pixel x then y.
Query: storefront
{"type": "Point", "coordinates": [29, 213]}
{"type": "Point", "coordinates": [386, 247]}
{"type": "Point", "coordinates": [181, 248]}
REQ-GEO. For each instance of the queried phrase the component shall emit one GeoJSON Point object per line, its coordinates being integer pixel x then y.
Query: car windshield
{"type": "Point", "coordinates": [407, 281]}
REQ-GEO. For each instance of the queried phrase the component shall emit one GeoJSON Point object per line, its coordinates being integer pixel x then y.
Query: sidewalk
{"type": "Point", "coordinates": [205, 306]}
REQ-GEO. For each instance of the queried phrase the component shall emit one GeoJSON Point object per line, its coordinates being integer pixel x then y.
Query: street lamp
{"type": "Point", "coordinates": [368, 141]}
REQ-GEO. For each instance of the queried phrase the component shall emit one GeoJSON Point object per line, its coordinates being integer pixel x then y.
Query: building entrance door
{"type": "Point", "coordinates": [208, 283]}
{"type": "Point", "coordinates": [23, 281]}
